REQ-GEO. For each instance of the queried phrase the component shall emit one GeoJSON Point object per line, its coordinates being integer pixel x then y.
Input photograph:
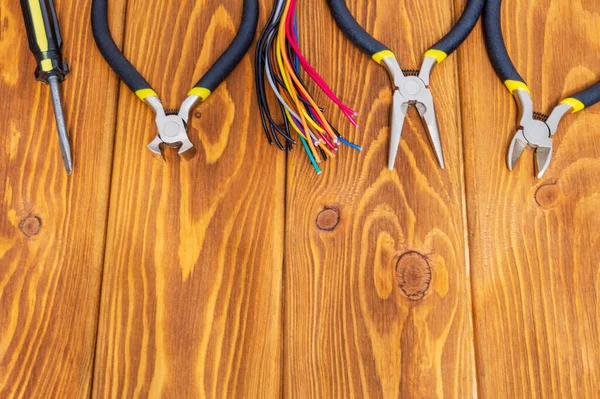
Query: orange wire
{"type": "Point", "coordinates": [298, 84]}
{"type": "Point", "coordinates": [285, 67]}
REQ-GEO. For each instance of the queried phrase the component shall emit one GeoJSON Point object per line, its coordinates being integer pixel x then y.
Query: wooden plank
{"type": "Point", "coordinates": [377, 296]}
{"type": "Point", "coordinates": [191, 301]}
{"type": "Point", "coordinates": [52, 228]}
{"type": "Point", "coordinates": [533, 243]}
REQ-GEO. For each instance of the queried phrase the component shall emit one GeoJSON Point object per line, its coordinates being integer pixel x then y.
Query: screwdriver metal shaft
{"type": "Point", "coordinates": [45, 42]}
{"type": "Point", "coordinates": [61, 125]}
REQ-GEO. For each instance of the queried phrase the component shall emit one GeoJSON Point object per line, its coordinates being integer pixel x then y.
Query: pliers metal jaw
{"type": "Point", "coordinates": [172, 129]}
{"type": "Point", "coordinates": [412, 91]}
{"type": "Point", "coordinates": [534, 133]}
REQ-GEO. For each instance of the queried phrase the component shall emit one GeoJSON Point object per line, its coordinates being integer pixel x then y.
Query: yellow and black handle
{"type": "Point", "coordinates": [378, 51]}
{"type": "Point", "coordinates": [115, 58]}
{"type": "Point", "coordinates": [496, 48]}
{"type": "Point", "coordinates": [356, 33]}
{"type": "Point", "coordinates": [236, 51]}
{"type": "Point", "coordinates": [206, 85]}
{"type": "Point", "coordinates": [507, 71]}
{"type": "Point", "coordinates": [459, 33]}
{"type": "Point", "coordinates": [44, 38]}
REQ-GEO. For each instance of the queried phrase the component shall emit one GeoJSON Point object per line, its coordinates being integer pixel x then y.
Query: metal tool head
{"type": "Point", "coordinates": [426, 108]}
{"type": "Point", "coordinates": [536, 135]}
{"type": "Point", "coordinates": [412, 91]}
{"type": "Point", "coordinates": [534, 132]}
{"type": "Point", "coordinates": [172, 131]}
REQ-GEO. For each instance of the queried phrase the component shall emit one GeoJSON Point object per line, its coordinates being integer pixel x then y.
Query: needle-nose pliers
{"type": "Point", "coordinates": [535, 130]}
{"type": "Point", "coordinates": [172, 126]}
{"type": "Point", "coordinates": [412, 88]}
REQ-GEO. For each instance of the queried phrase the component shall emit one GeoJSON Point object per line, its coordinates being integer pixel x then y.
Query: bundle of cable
{"type": "Point", "coordinates": [279, 63]}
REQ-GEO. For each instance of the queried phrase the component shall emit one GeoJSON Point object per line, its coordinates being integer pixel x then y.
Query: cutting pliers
{"type": "Point", "coordinates": [535, 130]}
{"type": "Point", "coordinates": [410, 88]}
{"type": "Point", "coordinates": [172, 126]}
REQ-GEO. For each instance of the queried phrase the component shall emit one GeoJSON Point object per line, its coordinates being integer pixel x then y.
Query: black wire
{"type": "Point", "coordinates": [262, 66]}
{"type": "Point", "coordinates": [336, 132]}
{"type": "Point", "coordinates": [261, 48]}
{"type": "Point", "coordinates": [286, 125]}
{"type": "Point", "coordinates": [266, 74]}
{"type": "Point", "coordinates": [323, 154]}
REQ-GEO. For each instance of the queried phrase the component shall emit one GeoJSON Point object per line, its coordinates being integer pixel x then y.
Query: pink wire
{"type": "Point", "coordinates": [348, 112]}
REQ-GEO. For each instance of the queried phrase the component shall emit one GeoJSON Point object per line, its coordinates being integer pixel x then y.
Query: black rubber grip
{"type": "Point", "coordinates": [589, 96]}
{"type": "Point", "coordinates": [494, 42]}
{"type": "Point", "coordinates": [352, 29]}
{"type": "Point", "coordinates": [236, 51]}
{"type": "Point", "coordinates": [462, 29]}
{"type": "Point", "coordinates": [107, 46]}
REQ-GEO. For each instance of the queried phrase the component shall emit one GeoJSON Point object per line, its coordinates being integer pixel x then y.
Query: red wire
{"type": "Point", "coordinates": [347, 111]}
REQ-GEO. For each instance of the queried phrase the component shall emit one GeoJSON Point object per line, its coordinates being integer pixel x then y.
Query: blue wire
{"type": "Point", "coordinates": [349, 144]}
{"type": "Point", "coordinates": [298, 40]}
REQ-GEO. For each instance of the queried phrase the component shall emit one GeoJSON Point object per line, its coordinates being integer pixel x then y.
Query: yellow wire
{"type": "Point", "coordinates": [306, 136]}
{"type": "Point", "coordinates": [285, 65]}
{"type": "Point", "coordinates": [310, 120]}
{"type": "Point", "coordinates": [327, 150]}
{"type": "Point", "coordinates": [289, 118]}
{"type": "Point", "coordinates": [303, 111]}
{"type": "Point", "coordinates": [286, 80]}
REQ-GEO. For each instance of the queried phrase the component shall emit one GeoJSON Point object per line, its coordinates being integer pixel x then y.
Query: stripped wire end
{"type": "Point", "coordinates": [278, 65]}
{"type": "Point", "coordinates": [351, 145]}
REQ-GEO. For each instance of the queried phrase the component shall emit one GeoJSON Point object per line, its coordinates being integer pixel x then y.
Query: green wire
{"type": "Point", "coordinates": [297, 68]}
{"type": "Point", "coordinates": [310, 156]}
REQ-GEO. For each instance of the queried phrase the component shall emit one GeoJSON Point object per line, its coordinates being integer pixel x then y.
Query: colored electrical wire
{"type": "Point", "coordinates": [279, 64]}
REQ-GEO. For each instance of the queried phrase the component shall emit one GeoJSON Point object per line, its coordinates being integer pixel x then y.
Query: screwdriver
{"type": "Point", "coordinates": [45, 43]}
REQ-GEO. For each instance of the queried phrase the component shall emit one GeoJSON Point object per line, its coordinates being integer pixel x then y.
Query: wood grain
{"type": "Point", "coordinates": [191, 300]}
{"type": "Point", "coordinates": [372, 296]}
{"type": "Point", "coordinates": [379, 306]}
{"type": "Point", "coordinates": [52, 228]}
{"type": "Point", "coordinates": [534, 257]}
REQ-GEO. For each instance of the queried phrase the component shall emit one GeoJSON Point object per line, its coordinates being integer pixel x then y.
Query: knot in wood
{"type": "Point", "coordinates": [413, 274]}
{"type": "Point", "coordinates": [31, 226]}
{"type": "Point", "coordinates": [547, 196]}
{"type": "Point", "coordinates": [328, 219]}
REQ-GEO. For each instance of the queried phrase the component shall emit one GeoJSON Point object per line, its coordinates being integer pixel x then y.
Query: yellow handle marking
{"type": "Point", "coordinates": [574, 103]}
{"type": "Point", "coordinates": [201, 92]}
{"type": "Point", "coordinates": [145, 93]}
{"type": "Point", "coordinates": [378, 57]}
{"type": "Point", "coordinates": [439, 55]}
{"type": "Point", "coordinates": [38, 25]}
{"type": "Point", "coordinates": [514, 85]}
{"type": "Point", "coordinates": [47, 65]}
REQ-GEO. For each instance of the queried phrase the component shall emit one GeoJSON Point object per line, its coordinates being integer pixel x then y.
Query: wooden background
{"type": "Point", "coordinates": [242, 274]}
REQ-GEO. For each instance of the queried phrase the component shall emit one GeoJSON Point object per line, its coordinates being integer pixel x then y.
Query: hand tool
{"type": "Point", "coordinates": [172, 125]}
{"type": "Point", "coordinates": [278, 64]}
{"type": "Point", "coordinates": [45, 42]}
{"type": "Point", "coordinates": [535, 129]}
{"type": "Point", "coordinates": [411, 88]}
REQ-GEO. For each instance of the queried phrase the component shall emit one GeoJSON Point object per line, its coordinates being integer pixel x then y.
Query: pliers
{"type": "Point", "coordinates": [172, 126]}
{"type": "Point", "coordinates": [410, 88]}
{"type": "Point", "coordinates": [535, 130]}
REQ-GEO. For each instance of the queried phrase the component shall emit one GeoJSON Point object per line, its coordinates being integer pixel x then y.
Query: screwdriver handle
{"type": "Point", "coordinates": [44, 37]}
